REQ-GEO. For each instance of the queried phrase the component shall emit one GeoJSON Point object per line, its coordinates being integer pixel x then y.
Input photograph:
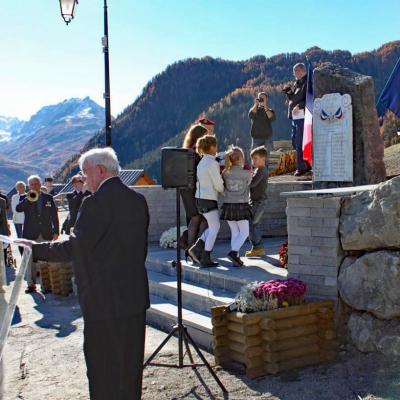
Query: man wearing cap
{"type": "Point", "coordinates": [261, 116]}
{"type": "Point", "coordinates": [74, 199]}
{"type": "Point", "coordinates": [49, 184]}
{"type": "Point", "coordinates": [208, 124]}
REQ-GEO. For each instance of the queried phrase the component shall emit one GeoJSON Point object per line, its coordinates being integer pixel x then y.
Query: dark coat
{"type": "Point", "coordinates": [4, 227]}
{"type": "Point", "coordinates": [108, 249]}
{"type": "Point", "coordinates": [298, 96]}
{"type": "Point", "coordinates": [6, 199]}
{"type": "Point", "coordinates": [74, 202]}
{"type": "Point", "coordinates": [40, 219]}
{"type": "Point", "coordinates": [261, 127]}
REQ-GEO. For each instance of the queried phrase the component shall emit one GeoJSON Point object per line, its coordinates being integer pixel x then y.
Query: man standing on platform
{"type": "Point", "coordinates": [296, 95]}
{"type": "Point", "coordinates": [108, 248]}
{"type": "Point", "coordinates": [40, 222]}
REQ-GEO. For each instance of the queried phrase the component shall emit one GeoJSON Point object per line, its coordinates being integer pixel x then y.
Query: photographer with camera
{"type": "Point", "coordinates": [296, 95]}
{"type": "Point", "coordinates": [261, 116]}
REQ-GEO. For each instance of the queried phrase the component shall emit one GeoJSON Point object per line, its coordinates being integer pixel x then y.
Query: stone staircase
{"type": "Point", "coordinates": [203, 288]}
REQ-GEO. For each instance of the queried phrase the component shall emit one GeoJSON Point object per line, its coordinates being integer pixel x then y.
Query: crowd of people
{"type": "Point", "coordinates": [241, 190]}
{"type": "Point", "coordinates": [113, 285]}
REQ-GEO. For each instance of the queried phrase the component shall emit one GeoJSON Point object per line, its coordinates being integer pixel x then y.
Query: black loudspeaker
{"type": "Point", "coordinates": [178, 169]}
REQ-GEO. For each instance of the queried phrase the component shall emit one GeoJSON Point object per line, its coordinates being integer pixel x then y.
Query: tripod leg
{"type": "Point", "coordinates": [187, 347]}
{"type": "Point", "coordinates": [148, 361]}
{"type": "Point", "coordinates": [214, 375]}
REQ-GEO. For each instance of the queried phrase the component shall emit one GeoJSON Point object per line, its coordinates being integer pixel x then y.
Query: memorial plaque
{"type": "Point", "coordinates": [333, 138]}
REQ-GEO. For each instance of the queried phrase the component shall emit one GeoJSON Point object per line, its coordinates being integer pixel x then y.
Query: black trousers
{"type": "Point", "coordinates": [114, 351]}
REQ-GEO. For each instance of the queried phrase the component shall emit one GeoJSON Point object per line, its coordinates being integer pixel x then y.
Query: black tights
{"type": "Point", "coordinates": [196, 227]}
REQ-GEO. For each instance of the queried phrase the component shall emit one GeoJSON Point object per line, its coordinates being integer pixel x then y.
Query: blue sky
{"type": "Point", "coordinates": [43, 61]}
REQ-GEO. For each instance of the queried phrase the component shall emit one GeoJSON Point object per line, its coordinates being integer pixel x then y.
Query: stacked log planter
{"type": "Point", "coordinates": [60, 278]}
{"type": "Point", "coordinates": [45, 276]}
{"type": "Point", "coordinates": [270, 342]}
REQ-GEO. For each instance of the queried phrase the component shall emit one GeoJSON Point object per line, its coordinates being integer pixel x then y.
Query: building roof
{"type": "Point", "coordinates": [128, 176]}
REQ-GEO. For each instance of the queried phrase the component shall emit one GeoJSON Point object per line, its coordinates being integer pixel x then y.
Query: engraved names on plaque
{"type": "Point", "coordinates": [333, 138]}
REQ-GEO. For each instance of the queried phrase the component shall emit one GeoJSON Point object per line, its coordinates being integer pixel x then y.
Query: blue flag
{"type": "Point", "coordinates": [390, 96]}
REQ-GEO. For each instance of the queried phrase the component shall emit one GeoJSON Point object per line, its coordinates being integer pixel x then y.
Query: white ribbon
{"type": "Point", "coordinates": [7, 309]}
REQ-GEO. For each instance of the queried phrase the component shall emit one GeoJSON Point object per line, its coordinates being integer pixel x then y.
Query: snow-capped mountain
{"type": "Point", "coordinates": [9, 127]}
{"type": "Point", "coordinates": [52, 135]}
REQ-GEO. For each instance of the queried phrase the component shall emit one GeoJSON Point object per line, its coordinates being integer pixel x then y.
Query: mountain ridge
{"type": "Point", "coordinates": [49, 137]}
{"type": "Point", "coordinates": [223, 90]}
{"type": "Point", "coordinates": [230, 110]}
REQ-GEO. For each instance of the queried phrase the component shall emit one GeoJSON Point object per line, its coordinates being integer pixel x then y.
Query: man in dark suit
{"type": "Point", "coordinates": [74, 199]}
{"type": "Point", "coordinates": [108, 248]}
{"type": "Point", "coordinates": [6, 199]}
{"type": "Point", "coordinates": [41, 222]}
{"type": "Point", "coordinates": [4, 227]}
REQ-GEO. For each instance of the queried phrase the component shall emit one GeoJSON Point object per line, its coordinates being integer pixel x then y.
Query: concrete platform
{"type": "Point", "coordinates": [203, 288]}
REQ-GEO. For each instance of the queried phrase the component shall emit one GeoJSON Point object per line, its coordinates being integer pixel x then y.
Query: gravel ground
{"type": "Point", "coordinates": [44, 360]}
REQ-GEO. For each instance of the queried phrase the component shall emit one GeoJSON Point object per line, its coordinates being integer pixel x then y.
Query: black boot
{"type": "Point", "coordinates": [205, 260]}
{"type": "Point", "coordinates": [234, 257]}
{"type": "Point", "coordinates": [196, 250]}
{"type": "Point", "coordinates": [183, 240]}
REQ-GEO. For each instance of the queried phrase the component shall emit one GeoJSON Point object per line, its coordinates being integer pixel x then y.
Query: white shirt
{"type": "Point", "coordinates": [209, 181]}
{"type": "Point", "coordinates": [18, 217]}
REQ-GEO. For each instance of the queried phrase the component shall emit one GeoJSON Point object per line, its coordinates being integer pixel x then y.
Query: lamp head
{"type": "Point", "coordinates": [67, 8]}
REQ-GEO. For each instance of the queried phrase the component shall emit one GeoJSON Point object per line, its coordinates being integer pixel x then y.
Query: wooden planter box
{"type": "Point", "coordinates": [270, 342]}
{"type": "Point", "coordinates": [56, 278]}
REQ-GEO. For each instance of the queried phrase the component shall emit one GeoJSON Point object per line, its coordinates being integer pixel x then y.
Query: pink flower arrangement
{"type": "Point", "coordinates": [288, 292]}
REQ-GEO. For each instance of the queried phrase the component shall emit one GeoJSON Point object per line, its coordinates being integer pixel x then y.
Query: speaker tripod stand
{"type": "Point", "coordinates": [184, 337]}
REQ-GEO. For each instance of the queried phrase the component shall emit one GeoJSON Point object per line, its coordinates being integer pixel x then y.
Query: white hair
{"type": "Point", "coordinates": [34, 177]}
{"type": "Point", "coordinates": [20, 183]}
{"type": "Point", "coordinates": [299, 65]}
{"type": "Point", "coordinates": [105, 157]}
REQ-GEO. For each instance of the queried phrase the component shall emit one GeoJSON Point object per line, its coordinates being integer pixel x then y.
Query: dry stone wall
{"type": "Point", "coordinates": [359, 262]}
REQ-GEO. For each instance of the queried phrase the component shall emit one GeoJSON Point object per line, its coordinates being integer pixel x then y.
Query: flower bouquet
{"type": "Point", "coordinates": [283, 255]}
{"type": "Point", "coordinates": [270, 295]}
{"type": "Point", "coordinates": [168, 238]}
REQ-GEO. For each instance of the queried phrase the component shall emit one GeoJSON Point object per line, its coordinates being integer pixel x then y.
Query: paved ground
{"type": "Point", "coordinates": [44, 360]}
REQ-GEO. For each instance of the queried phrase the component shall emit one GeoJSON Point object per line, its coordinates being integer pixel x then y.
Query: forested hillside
{"type": "Point", "coordinates": [224, 92]}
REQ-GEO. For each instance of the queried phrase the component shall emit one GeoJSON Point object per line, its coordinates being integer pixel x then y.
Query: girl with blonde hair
{"type": "Point", "coordinates": [236, 209]}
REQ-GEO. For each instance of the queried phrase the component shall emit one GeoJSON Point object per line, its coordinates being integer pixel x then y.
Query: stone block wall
{"type": "Point", "coordinates": [345, 245]}
{"type": "Point", "coordinates": [162, 206]}
{"type": "Point", "coordinates": [162, 209]}
{"type": "Point", "coordinates": [314, 247]}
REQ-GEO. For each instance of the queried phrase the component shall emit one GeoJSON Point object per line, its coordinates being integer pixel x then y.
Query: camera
{"type": "Point", "coordinates": [260, 100]}
{"type": "Point", "coordinates": [287, 89]}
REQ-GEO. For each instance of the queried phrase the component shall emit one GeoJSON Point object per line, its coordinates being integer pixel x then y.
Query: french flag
{"type": "Point", "coordinates": [307, 133]}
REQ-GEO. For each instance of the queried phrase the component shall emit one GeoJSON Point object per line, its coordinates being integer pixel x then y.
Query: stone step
{"type": "Point", "coordinates": [224, 276]}
{"type": "Point", "coordinates": [163, 314]}
{"type": "Point", "coordinates": [195, 296]}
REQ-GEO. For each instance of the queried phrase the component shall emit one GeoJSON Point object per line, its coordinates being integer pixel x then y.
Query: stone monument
{"type": "Point", "coordinates": [368, 165]}
{"type": "Point", "coordinates": [333, 138]}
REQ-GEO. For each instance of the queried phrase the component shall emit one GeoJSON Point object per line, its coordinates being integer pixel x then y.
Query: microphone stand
{"type": "Point", "coordinates": [183, 334]}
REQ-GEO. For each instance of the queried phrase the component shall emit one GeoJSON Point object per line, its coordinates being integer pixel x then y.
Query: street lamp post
{"type": "Point", "coordinates": [68, 8]}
